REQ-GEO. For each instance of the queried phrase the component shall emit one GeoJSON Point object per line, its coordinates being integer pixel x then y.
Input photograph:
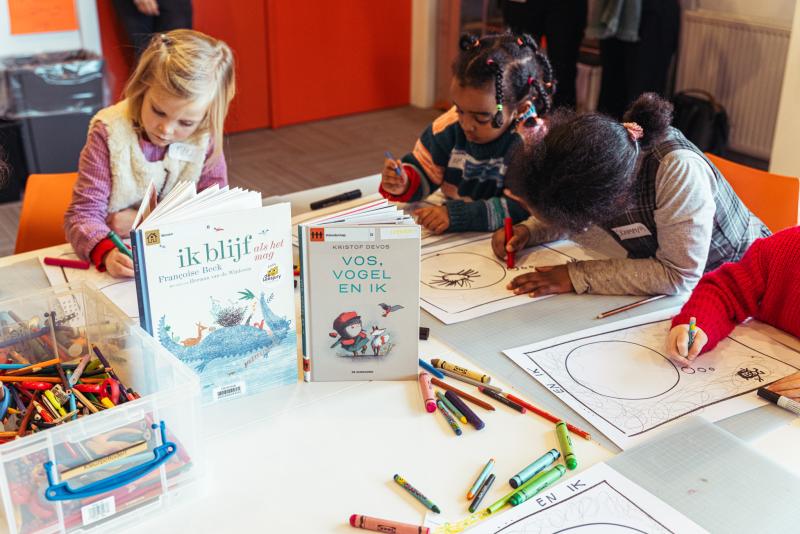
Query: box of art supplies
{"type": "Point", "coordinates": [100, 422]}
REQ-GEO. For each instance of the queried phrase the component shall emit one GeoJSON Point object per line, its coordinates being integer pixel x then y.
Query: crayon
{"type": "Point", "coordinates": [501, 399]}
{"type": "Point", "coordinates": [119, 244]}
{"type": "Point", "coordinates": [550, 417]}
{"type": "Point", "coordinates": [427, 392]}
{"type": "Point", "coordinates": [502, 501]}
{"type": "Point", "coordinates": [565, 442]}
{"type": "Point", "coordinates": [386, 525]}
{"type": "Point", "coordinates": [431, 369]}
{"type": "Point", "coordinates": [481, 493]}
{"type": "Point", "coordinates": [538, 465]}
{"type": "Point", "coordinates": [548, 478]}
{"type": "Point", "coordinates": [66, 262]}
{"type": "Point", "coordinates": [426, 502]}
{"type": "Point", "coordinates": [692, 331]}
{"type": "Point", "coordinates": [473, 419]}
{"type": "Point", "coordinates": [463, 371]}
{"type": "Point", "coordinates": [449, 405]}
{"type": "Point", "coordinates": [468, 380]}
{"type": "Point", "coordinates": [466, 396]}
{"type": "Point", "coordinates": [481, 479]}
{"type": "Point", "coordinates": [509, 231]}
{"type": "Point", "coordinates": [450, 421]}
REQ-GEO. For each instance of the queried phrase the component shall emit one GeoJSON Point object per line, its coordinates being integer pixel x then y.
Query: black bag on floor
{"type": "Point", "coordinates": [702, 120]}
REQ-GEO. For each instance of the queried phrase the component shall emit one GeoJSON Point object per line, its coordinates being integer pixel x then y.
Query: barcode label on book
{"type": "Point", "coordinates": [96, 511]}
{"type": "Point", "coordinates": [230, 391]}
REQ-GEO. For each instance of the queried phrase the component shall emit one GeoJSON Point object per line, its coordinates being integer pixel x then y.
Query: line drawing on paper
{"type": "Point", "coordinates": [463, 279]}
{"type": "Point", "coordinates": [622, 378]}
{"type": "Point", "coordinates": [599, 508]}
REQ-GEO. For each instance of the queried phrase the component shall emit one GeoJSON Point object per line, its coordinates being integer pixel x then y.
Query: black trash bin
{"type": "Point", "coordinates": [52, 96]}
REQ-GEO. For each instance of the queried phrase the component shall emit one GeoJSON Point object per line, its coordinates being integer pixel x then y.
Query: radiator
{"type": "Point", "coordinates": [741, 63]}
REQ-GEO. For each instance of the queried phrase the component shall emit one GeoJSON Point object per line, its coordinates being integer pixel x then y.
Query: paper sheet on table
{"type": "Point", "coordinates": [599, 500]}
{"type": "Point", "coordinates": [463, 279]}
{"type": "Point", "coordinates": [121, 291]}
{"type": "Point", "coordinates": [622, 382]}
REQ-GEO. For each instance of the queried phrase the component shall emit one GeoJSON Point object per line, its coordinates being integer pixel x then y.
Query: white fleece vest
{"type": "Point", "coordinates": [130, 170]}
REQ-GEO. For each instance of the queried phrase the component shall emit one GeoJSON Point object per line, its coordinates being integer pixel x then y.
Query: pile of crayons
{"type": "Point", "coordinates": [528, 482]}
{"type": "Point", "coordinates": [38, 394]}
{"type": "Point", "coordinates": [452, 406]}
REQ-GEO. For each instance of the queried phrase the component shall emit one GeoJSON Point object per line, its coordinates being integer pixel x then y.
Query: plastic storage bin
{"type": "Point", "coordinates": [114, 466]}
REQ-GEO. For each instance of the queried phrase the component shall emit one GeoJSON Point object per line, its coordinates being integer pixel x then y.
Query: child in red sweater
{"type": "Point", "coordinates": [765, 284]}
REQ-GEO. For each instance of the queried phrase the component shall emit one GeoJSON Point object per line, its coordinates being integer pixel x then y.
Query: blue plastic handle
{"type": "Point", "coordinates": [60, 491]}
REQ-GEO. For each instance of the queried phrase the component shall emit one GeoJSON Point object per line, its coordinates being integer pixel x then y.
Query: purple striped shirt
{"type": "Point", "coordinates": [85, 219]}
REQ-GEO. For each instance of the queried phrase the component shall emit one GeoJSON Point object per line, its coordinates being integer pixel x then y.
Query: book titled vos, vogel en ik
{"type": "Point", "coordinates": [214, 283]}
{"type": "Point", "coordinates": [360, 299]}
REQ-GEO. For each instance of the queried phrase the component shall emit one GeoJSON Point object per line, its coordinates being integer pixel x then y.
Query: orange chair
{"type": "Point", "coordinates": [775, 199]}
{"type": "Point", "coordinates": [41, 222]}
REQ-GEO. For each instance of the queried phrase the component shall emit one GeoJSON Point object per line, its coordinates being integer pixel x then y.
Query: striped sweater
{"type": "Point", "coordinates": [471, 175]}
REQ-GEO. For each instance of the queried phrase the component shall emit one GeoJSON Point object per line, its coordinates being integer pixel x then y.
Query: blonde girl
{"type": "Point", "coordinates": [167, 128]}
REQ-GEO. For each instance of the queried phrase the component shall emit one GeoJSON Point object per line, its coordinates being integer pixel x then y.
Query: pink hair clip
{"type": "Point", "coordinates": [530, 80]}
{"type": "Point", "coordinates": [635, 132]}
{"type": "Point", "coordinates": [490, 61]}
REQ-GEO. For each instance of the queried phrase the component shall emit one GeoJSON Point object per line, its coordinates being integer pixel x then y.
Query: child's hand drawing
{"type": "Point", "coordinates": [678, 344]}
{"type": "Point", "coordinates": [788, 386]}
{"type": "Point", "coordinates": [546, 280]}
{"type": "Point", "coordinates": [517, 242]}
{"type": "Point", "coordinates": [436, 219]}
{"type": "Point", "coordinates": [121, 221]}
{"type": "Point", "coordinates": [118, 264]}
{"type": "Point", "coordinates": [391, 181]}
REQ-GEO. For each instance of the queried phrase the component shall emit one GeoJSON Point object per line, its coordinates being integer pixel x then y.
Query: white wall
{"type": "Point", "coordinates": [786, 145]}
{"type": "Point", "coordinates": [778, 11]}
{"type": "Point", "coordinates": [423, 52]}
{"type": "Point", "coordinates": [88, 37]}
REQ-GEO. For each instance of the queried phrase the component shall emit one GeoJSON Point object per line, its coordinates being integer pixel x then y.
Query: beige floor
{"type": "Point", "coordinates": [299, 157]}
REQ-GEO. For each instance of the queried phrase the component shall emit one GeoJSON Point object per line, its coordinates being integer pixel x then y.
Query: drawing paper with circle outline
{"type": "Point", "coordinates": [462, 279]}
{"type": "Point", "coordinates": [622, 382]}
{"type": "Point", "coordinates": [598, 500]}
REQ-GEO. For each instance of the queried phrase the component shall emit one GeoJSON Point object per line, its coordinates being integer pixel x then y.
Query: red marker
{"type": "Point", "coordinates": [64, 262]}
{"type": "Point", "coordinates": [386, 525]}
{"type": "Point", "coordinates": [509, 234]}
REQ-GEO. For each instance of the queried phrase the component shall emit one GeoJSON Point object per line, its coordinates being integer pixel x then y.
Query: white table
{"type": "Point", "coordinates": [304, 457]}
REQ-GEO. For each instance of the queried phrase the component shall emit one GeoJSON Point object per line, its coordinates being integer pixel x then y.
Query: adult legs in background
{"type": "Point", "coordinates": [172, 14]}
{"type": "Point", "coordinates": [562, 22]}
{"type": "Point", "coordinates": [630, 69]}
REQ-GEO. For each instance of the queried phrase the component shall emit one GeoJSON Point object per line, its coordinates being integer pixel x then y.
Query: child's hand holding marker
{"type": "Point", "coordinates": [684, 343]}
{"type": "Point", "coordinates": [118, 265]}
{"type": "Point", "coordinates": [393, 179]}
{"type": "Point", "coordinates": [518, 241]}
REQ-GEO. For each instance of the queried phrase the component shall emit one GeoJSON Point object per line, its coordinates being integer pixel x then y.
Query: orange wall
{"type": "Point", "coordinates": [334, 58]}
{"type": "Point", "coordinates": [296, 61]}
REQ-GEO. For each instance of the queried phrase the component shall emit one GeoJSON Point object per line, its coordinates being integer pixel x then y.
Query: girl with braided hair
{"type": "Point", "coordinates": [167, 128]}
{"type": "Point", "coordinates": [501, 87]}
{"type": "Point", "coordinates": [642, 183]}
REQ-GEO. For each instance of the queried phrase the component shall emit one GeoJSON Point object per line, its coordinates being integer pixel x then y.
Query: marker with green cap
{"type": "Point", "coordinates": [547, 479]}
{"type": "Point", "coordinates": [565, 443]}
{"type": "Point", "coordinates": [119, 244]}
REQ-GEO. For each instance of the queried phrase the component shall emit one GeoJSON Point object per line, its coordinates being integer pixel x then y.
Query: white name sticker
{"type": "Point", "coordinates": [184, 152]}
{"type": "Point", "coordinates": [98, 510]}
{"type": "Point", "coordinates": [631, 231]}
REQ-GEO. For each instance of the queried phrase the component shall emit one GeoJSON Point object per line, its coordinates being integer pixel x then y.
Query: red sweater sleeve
{"type": "Point", "coordinates": [727, 296]}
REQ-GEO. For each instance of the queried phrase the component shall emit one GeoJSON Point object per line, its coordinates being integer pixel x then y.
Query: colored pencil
{"type": "Point", "coordinates": [470, 381]}
{"type": "Point", "coordinates": [627, 307]}
{"type": "Point", "coordinates": [550, 417]}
